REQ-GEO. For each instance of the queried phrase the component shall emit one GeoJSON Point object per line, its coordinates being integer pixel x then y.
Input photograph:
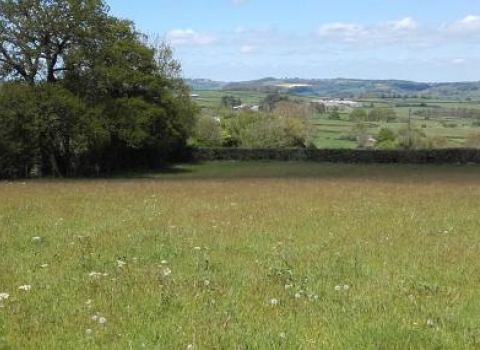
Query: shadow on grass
{"type": "Point", "coordinates": [225, 170]}
{"type": "Point", "coordinates": [167, 171]}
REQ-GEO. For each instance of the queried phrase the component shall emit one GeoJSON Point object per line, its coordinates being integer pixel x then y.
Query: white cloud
{"type": "Point", "coordinates": [247, 49]}
{"type": "Point", "coordinates": [239, 30]}
{"type": "Point", "coordinates": [405, 24]}
{"type": "Point", "coordinates": [465, 26]}
{"type": "Point", "coordinates": [343, 32]}
{"type": "Point", "coordinates": [189, 37]}
{"type": "Point", "coordinates": [458, 61]}
{"type": "Point", "coordinates": [404, 31]}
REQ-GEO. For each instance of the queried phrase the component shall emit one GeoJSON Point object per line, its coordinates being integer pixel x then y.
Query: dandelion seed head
{"type": "Point", "coordinates": [346, 287]}
{"type": "Point", "coordinates": [102, 321]}
{"type": "Point", "coordinates": [88, 331]}
{"type": "Point", "coordinates": [338, 288]}
{"type": "Point", "coordinates": [283, 335]}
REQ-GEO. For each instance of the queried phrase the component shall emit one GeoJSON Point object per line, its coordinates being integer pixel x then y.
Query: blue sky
{"type": "Point", "coordinates": [422, 40]}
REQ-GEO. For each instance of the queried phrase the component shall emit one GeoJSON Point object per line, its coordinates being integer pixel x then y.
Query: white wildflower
{"type": "Point", "coordinates": [102, 321]}
{"type": "Point", "coordinates": [430, 323]}
{"type": "Point", "coordinates": [97, 275]}
{"type": "Point", "coordinates": [37, 239]}
{"type": "Point", "coordinates": [89, 303]}
{"type": "Point", "coordinates": [346, 287]}
{"type": "Point", "coordinates": [274, 301]}
{"type": "Point", "coordinates": [166, 271]}
{"type": "Point", "coordinates": [88, 331]}
{"type": "Point", "coordinates": [298, 295]}
{"type": "Point", "coordinates": [283, 335]}
{"type": "Point", "coordinates": [288, 286]}
{"type": "Point", "coordinates": [163, 262]}
{"type": "Point", "coordinates": [95, 317]}
{"type": "Point", "coordinates": [121, 263]}
{"type": "Point", "coordinates": [25, 287]}
{"type": "Point", "coordinates": [338, 288]}
{"type": "Point", "coordinates": [190, 347]}
{"type": "Point", "coordinates": [206, 283]}
{"type": "Point", "coordinates": [44, 266]}
{"type": "Point", "coordinates": [197, 248]}
{"type": "Point", "coordinates": [3, 297]}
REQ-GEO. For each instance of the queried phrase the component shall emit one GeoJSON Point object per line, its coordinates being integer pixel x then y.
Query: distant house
{"type": "Point", "coordinates": [244, 107]}
{"type": "Point", "coordinates": [366, 141]}
{"type": "Point", "coordinates": [341, 103]}
{"type": "Point", "coordinates": [194, 96]}
{"type": "Point", "coordinates": [239, 107]}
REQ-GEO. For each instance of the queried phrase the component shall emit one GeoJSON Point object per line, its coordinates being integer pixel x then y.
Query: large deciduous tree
{"type": "Point", "coordinates": [38, 38]}
{"type": "Point", "coordinates": [87, 89]}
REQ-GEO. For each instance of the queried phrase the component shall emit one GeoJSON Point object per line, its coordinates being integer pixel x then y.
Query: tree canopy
{"type": "Point", "coordinates": [83, 91]}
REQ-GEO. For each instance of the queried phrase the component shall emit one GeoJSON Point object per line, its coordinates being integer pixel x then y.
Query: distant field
{"type": "Point", "coordinates": [244, 256]}
{"type": "Point", "coordinates": [329, 134]}
{"type": "Point", "coordinates": [212, 98]}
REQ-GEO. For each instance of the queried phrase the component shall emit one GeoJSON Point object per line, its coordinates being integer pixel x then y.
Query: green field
{"type": "Point", "coordinates": [212, 98]}
{"type": "Point", "coordinates": [329, 132]}
{"type": "Point", "coordinates": [244, 256]}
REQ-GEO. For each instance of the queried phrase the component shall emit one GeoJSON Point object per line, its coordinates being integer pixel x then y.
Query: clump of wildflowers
{"type": "Point", "coordinates": [3, 297]}
{"type": "Point", "coordinates": [166, 271]}
{"type": "Point", "coordinates": [274, 301]}
{"type": "Point", "coordinates": [25, 287]}
{"type": "Point", "coordinates": [97, 275]}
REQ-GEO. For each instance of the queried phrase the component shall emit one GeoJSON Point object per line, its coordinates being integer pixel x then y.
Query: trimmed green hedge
{"type": "Point", "coordinates": [436, 156]}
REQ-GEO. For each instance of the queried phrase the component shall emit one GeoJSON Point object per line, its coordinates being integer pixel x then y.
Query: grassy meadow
{"type": "Point", "coordinates": [244, 256]}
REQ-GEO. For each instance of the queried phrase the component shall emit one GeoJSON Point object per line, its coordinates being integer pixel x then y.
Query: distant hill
{"type": "Point", "coordinates": [347, 87]}
{"type": "Point", "coordinates": [205, 84]}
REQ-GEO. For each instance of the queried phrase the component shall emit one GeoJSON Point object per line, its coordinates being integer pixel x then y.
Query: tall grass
{"type": "Point", "coordinates": [244, 256]}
